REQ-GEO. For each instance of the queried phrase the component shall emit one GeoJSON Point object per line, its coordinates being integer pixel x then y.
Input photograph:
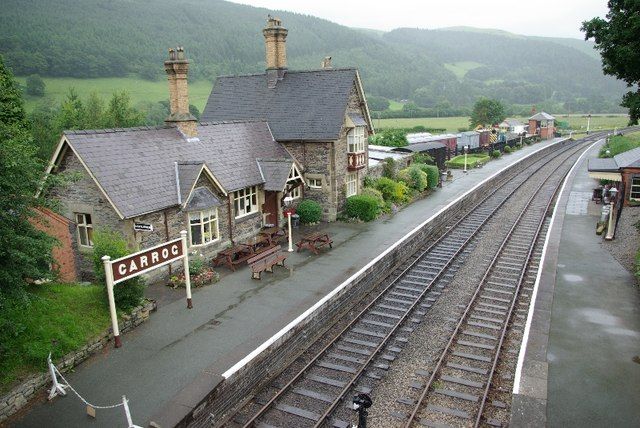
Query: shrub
{"type": "Point", "coordinates": [363, 207]}
{"type": "Point", "coordinates": [196, 264]}
{"type": "Point", "coordinates": [507, 149]}
{"type": "Point", "coordinates": [495, 154]}
{"type": "Point", "coordinates": [433, 174]}
{"type": "Point", "coordinates": [518, 146]}
{"type": "Point", "coordinates": [423, 158]}
{"type": "Point", "coordinates": [127, 294]}
{"type": "Point", "coordinates": [392, 191]}
{"type": "Point", "coordinates": [368, 182]}
{"type": "Point", "coordinates": [309, 211]}
{"type": "Point", "coordinates": [413, 177]}
{"type": "Point", "coordinates": [375, 193]}
{"type": "Point", "coordinates": [389, 168]}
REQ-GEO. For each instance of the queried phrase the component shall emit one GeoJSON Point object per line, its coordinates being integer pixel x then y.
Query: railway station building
{"type": "Point", "coordinates": [624, 170]}
{"type": "Point", "coordinates": [265, 140]}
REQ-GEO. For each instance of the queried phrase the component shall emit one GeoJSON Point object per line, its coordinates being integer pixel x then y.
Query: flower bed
{"type": "Point", "coordinates": [204, 277]}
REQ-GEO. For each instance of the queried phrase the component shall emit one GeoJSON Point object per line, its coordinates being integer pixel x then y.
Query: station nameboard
{"type": "Point", "coordinates": [143, 227]}
{"type": "Point", "coordinates": [145, 260]}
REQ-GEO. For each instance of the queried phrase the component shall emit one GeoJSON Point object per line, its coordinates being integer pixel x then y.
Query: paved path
{"type": "Point", "coordinates": [579, 369]}
{"type": "Point", "coordinates": [231, 318]}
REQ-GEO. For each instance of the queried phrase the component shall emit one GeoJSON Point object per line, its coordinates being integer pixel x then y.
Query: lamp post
{"type": "Point", "coordinates": [466, 149]}
{"type": "Point", "coordinates": [287, 203]}
{"type": "Point", "coordinates": [588, 123]}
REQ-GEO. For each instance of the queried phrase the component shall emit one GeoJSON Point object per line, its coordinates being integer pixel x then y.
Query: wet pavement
{"type": "Point", "coordinates": [581, 367]}
{"type": "Point", "coordinates": [231, 318]}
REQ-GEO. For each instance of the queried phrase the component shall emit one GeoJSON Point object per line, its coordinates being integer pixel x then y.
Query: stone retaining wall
{"type": "Point", "coordinates": [21, 394]}
{"type": "Point", "coordinates": [231, 393]}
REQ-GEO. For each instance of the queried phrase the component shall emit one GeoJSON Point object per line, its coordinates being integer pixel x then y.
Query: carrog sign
{"type": "Point", "coordinates": [143, 261]}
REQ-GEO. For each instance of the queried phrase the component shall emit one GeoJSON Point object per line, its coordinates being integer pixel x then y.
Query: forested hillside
{"type": "Point", "coordinates": [109, 38]}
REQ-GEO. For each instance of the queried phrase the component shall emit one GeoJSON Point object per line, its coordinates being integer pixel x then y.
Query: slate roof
{"type": "Point", "coordinates": [603, 165]}
{"type": "Point", "coordinates": [304, 105]}
{"type": "Point", "coordinates": [357, 119]}
{"type": "Point", "coordinates": [628, 159]}
{"type": "Point", "coordinates": [136, 169]}
{"type": "Point", "coordinates": [275, 173]}
{"type": "Point", "coordinates": [201, 199]}
{"type": "Point", "coordinates": [188, 173]}
{"type": "Point", "coordinates": [421, 147]}
{"type": "Point", "coordinates": [542, 116]}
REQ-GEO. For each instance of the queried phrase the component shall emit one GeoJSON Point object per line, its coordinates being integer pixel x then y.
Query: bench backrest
{"type": "Point", "coordinates": [264, 254]}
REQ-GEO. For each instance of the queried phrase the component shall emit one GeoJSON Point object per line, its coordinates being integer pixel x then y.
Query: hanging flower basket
{"type": "Point", "coordinates": [205, 277]}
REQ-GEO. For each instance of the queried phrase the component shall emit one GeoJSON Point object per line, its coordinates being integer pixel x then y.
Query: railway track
{"type": "Point", "coordinates": [457, 391]}
{"type": "Point", "coordinates": [364, 348]}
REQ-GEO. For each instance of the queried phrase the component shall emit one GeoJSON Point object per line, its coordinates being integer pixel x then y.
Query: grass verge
{"type": "Point", "coordinates": [58, 318]}
{"type": "Point", "coordinates": [473, 160]}
{"type": "Point", "coordinates": [620, 144]}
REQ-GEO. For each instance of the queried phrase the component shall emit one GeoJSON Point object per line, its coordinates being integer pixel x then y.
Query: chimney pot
{"type": "Point", "coordinates": [326, 62]}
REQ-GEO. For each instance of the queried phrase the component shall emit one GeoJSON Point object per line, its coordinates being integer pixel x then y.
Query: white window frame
{"type": "Point", "coordinates": [356, 140]}
{"type": "Point", "coordinates": [248, 197]}
{"type": "Point", "coordinates": [636, 186]}
{"type": "Point", "coordinates": [315, 183]}
{"type": "Point", "coordinates": [212, 220]}
{"type": "Point", "coordinates": [351, 182]}
{"type": "Point", "coordinates": [82, 225]}
{"type": "Point", "coordinates": [294, 176]}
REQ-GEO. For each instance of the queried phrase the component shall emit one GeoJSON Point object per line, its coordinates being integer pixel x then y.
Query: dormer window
{"type": "Point", "coordinates": [356, 140]}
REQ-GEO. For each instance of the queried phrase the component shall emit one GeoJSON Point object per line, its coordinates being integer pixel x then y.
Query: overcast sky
{"type": "Point", "coordinates": [560, 18]}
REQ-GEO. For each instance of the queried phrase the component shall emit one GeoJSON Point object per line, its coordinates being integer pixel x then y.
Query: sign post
{"type": "Point", "coordinates": [108, 273]}
{"type": "Point", "coordinates": [187, 276]}
{"type": "Point", "coordinates": [136, 264]}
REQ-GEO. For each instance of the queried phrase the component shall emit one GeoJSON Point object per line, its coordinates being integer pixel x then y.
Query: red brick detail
{"type": "Point", "coordinates": [59, 227]}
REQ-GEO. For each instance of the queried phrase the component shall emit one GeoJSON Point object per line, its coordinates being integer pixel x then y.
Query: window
{"type": "Point", "coordinates": [355, 140]}
{"type": "Point", "coordinates": [203, 226]}
{"type": "Point", "coordinates": [635, 189]}
{"type": "Point", "coordinates": [352, 184]}
{"type": "Point", "coordinates": [245, 201]}
{"type": "Point", "coordinates": [85, 229]}
{"type": "Point", "coordinates": [315, 183]}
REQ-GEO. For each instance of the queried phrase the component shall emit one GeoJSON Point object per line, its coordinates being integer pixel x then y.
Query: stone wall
{"type": "Point", "coordinates": [19, 396]}
{"type": "Point", "coordinates": [237, 389]}
{"type": "Point", "coordinates": [84, 196]}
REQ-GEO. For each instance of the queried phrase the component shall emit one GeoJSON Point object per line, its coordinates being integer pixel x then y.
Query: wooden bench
{"type": "Point", "coordinates": [314, 241]}
{"type": "Point", "coordinates": [266, 260]}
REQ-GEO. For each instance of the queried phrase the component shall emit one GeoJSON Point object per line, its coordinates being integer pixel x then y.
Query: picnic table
{"type": "Point", "coordinates": [273, 234]}
{"type": "Point", "coordinates": [259, 243]}
{"type": "Point", "coordinates": [234, 256]}
{"type": "Point", "coordinates": [314, 241]}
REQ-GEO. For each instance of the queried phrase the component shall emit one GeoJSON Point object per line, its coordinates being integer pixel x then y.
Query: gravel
{"type": "Point", "coordinates": [627, 241]}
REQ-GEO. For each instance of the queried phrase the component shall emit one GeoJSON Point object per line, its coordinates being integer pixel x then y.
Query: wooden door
{"type": "Point", "coordinates": [270, 207]}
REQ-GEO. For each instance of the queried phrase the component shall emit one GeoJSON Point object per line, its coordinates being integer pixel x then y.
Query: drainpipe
{"type": "Point", "coordinates": [229, 216]}
{"type": "Point", "coordinates": [166, 234]}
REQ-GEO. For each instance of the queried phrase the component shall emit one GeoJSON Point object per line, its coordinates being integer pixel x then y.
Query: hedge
{"type": "Point", "coordinates": [363, 207]}
{"type": "Point", "coordinates": [309, 211]}
{"type": "Point", "coordinates": [392, 191]}
{"type": "Point", "coordinates": [414, 178]}
{"type": "Point", "coordinates": [433, 174]}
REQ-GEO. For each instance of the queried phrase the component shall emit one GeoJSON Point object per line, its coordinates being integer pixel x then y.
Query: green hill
{"type": "Point", "coordinates": [117, 38]}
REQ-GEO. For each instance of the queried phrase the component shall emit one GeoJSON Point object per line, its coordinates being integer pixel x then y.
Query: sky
{"type": "Point", "coordinates": [554, 18]}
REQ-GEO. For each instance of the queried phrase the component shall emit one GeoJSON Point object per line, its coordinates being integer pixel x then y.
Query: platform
{"type": "Point", "coordinates": [578, 367]}
{"type": "Point", "coordinates": [179, 351]}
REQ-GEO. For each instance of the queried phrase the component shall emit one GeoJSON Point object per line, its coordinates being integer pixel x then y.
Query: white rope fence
{"type": "Point", "coordinates": [60, 389]}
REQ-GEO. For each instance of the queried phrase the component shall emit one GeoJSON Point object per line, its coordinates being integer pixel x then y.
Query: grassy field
{"type": "Point", "coordinates": [452, 124]}
{"type": "Point", "coordinates": [395, 105]}
{"type": "Point", "coordinates": [460, 69]}
{"type": "Point", "coordinates": [139, 90]}
{"type": "Point", "coordinates": [60, 318]}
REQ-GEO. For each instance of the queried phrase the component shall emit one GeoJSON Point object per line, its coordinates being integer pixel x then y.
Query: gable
{"type": "Point", "coordinates": [304, 105]}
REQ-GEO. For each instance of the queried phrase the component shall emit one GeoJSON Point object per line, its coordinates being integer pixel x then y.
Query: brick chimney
{"type": "Point", "coordinates": [177, 68]}
{"type": "Point", "coordinates": [275, 36]}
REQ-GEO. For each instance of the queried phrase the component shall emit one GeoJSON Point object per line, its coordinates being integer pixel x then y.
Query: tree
{"type": "Point", "coordinates": [94, 112]}
{"type": "Point", "coordinates": [35, 86]}
{"type": "Point", "coordinates": [120, 114]}
{"type": "Point", "coordinates": [377, 103]}
{"type": "Point", "coordinates": [618, 39]}
{"type": "Point", "coordinates": [487, 112]}
{"type": "Point", "coordinates": [25, 252]}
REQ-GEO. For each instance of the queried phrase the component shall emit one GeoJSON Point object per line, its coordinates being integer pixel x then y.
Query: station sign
{"type": "Point", "coordinates": [143, 227]}
{"type": "Point", "coordinates": [145, 260]}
